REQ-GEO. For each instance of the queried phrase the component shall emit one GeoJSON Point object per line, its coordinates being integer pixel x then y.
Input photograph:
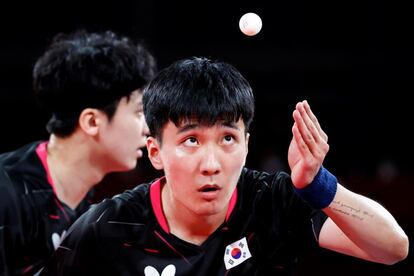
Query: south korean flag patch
{"type": "Point", "coordinates": [236, 253]}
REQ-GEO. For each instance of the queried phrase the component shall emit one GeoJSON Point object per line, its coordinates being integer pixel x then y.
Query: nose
{"type": "Point", "coordinates": [145, 129]}
{"type": "Point", "coordinates": [210, 164]}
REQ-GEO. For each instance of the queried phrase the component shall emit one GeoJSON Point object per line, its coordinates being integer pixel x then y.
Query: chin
{"type": "Point", "coordinates": [209, 211]}
{"type": "Point", "coordinates": [127, 166]}
{"type": "Point", "coordinates": [132, 166]}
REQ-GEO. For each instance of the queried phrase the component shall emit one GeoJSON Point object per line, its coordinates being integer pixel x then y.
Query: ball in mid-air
{"type": "Point", "coordinates": [250, 24]}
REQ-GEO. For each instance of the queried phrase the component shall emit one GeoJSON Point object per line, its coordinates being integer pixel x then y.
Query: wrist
{"type": "Point", "coordinates": [321, 191]}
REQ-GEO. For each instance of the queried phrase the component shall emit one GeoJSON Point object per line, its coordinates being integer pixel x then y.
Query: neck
{"type": "Point", "coordinates": [185, 223]}
{"type": "Point", "coordinates": [72, 172]}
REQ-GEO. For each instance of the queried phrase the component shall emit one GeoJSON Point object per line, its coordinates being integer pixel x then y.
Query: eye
{"type": "Point", "coordinates": [228, 139]}
{"type": "Point", "coordinates": [139, 112]}
{"type": "Point", "coordinates": [191, 142]}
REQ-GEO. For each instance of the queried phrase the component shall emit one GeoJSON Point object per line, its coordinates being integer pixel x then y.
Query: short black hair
{"type": "Point", "coordinates": [88, 70]}
{"type": "Point", "coordinates": [198, 89]}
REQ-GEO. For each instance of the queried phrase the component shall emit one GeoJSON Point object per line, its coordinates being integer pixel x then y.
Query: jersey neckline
{"type": "Point", "coordinates": [156, 202]}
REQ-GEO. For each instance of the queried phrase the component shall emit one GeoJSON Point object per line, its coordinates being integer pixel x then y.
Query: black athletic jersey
{"type": "Point", "coordinates": [32, 219]}
{"type": "Point", "coordinates": [265, 227]}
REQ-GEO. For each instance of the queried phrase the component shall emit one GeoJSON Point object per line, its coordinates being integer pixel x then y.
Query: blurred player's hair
{"type": "Point", "coordinates": [88, 70]}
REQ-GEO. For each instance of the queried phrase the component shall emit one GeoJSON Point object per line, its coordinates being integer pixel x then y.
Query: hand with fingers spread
{"type": "Point", "coordinates": [308, 147]}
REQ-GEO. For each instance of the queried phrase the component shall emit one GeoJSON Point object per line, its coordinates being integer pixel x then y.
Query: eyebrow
{"type": "Point", "coordinates": [190, 126]}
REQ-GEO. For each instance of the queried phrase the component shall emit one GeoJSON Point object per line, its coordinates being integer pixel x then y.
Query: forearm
{"type": "Point", "coordinates": [368, 225]}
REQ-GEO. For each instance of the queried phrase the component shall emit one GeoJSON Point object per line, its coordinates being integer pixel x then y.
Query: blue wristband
{"type": "Point", "coordinates": [321, 191]}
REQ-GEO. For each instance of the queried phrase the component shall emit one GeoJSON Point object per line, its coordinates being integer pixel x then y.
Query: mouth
{"type": "Point", "coordinates": [209, 189]}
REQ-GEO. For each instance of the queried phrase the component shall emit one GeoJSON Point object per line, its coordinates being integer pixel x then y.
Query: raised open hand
{"type": "Point", "coordinates": [308, 147]}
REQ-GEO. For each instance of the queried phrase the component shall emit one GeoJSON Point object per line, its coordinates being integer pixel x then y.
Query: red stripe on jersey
{"type": "Point", "coordinates": [232, 204]}
{"type": "Point", "coordinates": [155, 195]}
{"type": "Point", "coordinates": [41, 151]}
{"type": "Point", "coordinates": [54, 216]}
{"type": "Point", "coordinates": [151, 250]}
{"type": "Point", "coordinates": [172, 247]}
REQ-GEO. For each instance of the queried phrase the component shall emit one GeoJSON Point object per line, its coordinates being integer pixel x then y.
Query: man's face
{"type": "Point", "coordinates": [122, 137]}
{"type": "Point", "coordinates": [202, 164]}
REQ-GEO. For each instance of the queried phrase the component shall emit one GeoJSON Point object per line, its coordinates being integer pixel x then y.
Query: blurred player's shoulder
{"type": "Point", "coordinates": [129, 205]}
{"type": "Point", "coordinates": [8, 159]}
{"type": "Point", "coordinates": [21, 170]}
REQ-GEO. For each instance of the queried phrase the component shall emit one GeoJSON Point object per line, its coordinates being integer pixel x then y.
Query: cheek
{"type": "Point", "coordinates": [176, 160]}
{"type": "Point", "coordinates": [178, 166]}
{"type": "Point", "coordinates": [129, 128]}
{"type": "Point", "coordinates": [237, 159]}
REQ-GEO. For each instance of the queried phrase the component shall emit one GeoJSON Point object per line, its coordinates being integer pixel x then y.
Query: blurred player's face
{"type": "Point", "coordinates": [123, 136]}
{"type": "Point", "coordinates": [202, 165]}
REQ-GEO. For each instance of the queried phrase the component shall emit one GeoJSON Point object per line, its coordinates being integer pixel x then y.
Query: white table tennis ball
{"type": "Point", "coordinates": [250, 24]}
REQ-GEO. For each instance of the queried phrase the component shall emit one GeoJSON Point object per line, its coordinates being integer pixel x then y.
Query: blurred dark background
{"type": "Point", "coordinates": [352, 60]}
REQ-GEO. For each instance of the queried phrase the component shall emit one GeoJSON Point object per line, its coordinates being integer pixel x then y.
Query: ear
{"type": "Point", "coordinates": [247, 142]}
{"type": "Point", "coordinates": [153, 148]}
{"type": "Point", "coordinates": [246, 147]}
{"type": "Point", "coordinates": [90, 120]}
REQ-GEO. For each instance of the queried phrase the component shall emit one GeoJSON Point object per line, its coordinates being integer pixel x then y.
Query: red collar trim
{"type": "Point", "coordinates": [156, 202]}
{"type": "Point", "coordinates": [232, 204]}
{"type": "Point", "coordinates": [41, 151]}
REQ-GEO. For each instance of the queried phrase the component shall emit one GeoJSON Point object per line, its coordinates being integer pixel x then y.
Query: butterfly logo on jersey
{"type": "Point", "coordinates": [57, 239]}
{"type": "Point", "coordinates": [169, 270]}
{"type": "Point", "coordinates": [236, 253]}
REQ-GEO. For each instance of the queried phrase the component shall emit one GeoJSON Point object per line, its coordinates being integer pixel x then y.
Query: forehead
{"type": "Point", "coordinates": [136, 96]}
{"type": "Point", "coordinates": [134, 100]}
{"type": "Point", "coordinates": [129, 103]}
{"type": "Point", "coordinates": [190, 124]}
